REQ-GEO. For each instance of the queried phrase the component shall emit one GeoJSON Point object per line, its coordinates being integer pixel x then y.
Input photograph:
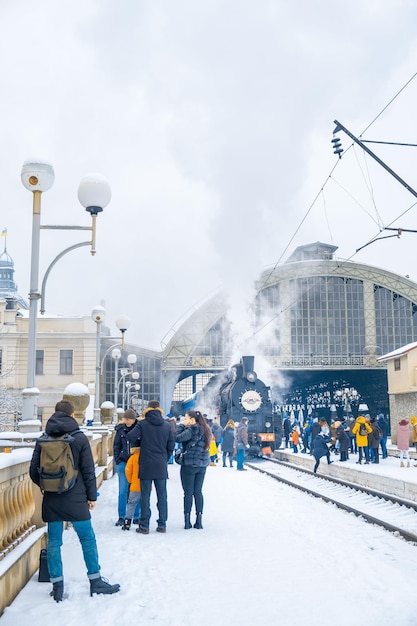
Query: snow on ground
{"type": "Point", "coordinates": [267, 554]}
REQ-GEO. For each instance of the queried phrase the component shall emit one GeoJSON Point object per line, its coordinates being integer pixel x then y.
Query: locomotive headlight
{"type": "Point", "coordinates": [251, 377]}
{"type": "Point", "coordinates": [267, 424]}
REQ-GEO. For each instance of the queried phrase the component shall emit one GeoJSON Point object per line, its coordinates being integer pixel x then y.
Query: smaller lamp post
{"type": "Point", "coordinates": [123, 323]}
{"type": "Point", "coordinates": [98, 315]}
{"type": "Point", "coordinates": [116, 354]}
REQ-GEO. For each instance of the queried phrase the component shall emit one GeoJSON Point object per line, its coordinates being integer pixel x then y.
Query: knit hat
{"type": "Point", "coordinates": [245, 419]}
{"type": "Point", "coordinates": [129, 414]}
{"type": "Point", "coordinates": [403, 423]}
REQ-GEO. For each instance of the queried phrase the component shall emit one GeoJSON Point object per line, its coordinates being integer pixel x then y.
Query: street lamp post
{"type": "Point", "coordinates": [131, 385]}
{"type": "Point", "coordinates": [94, 194]}
{"type": "Point", "coordinates": [123, 323]}
{"type": "Point", "coordinates": [116, 354]}
{"type": "Point", "coordinates": [98, 315]}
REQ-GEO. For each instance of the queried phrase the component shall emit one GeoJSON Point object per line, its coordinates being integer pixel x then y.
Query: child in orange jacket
{"type": "Point", "coordinates": [132, 475]}
{"type": "Point", "coordinates": [294, 439]}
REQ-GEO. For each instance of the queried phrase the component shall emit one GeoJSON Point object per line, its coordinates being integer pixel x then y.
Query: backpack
{"type": "Point", "coordinates": [362, 430]}
{"type": "Point", "coordinates": [57, 471]}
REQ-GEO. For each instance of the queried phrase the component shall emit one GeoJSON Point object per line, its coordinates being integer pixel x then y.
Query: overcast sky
{"type": "Point", "coordinates": [212, 122]}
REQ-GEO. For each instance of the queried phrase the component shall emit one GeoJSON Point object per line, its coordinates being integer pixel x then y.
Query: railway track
{"type": "Point", "coordinates": [395, 514]}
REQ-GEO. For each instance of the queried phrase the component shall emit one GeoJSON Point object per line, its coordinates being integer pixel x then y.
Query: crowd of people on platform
{"type": "Point", "coordinates": [144, 447]}
{"type": "Point", "coordinates": [364, 436]}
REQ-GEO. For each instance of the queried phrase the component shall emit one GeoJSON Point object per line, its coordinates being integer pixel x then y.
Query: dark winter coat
{"type": "Point", "coordinates": [217, 431]}
{"type": "Point", "coordinates": [72, 505]}
{"type": "Point", "coordinates": [375, 436]}
{"type": "Point", "coordinates": [155, 437]}
{"type": "Point", "coordinates": [320, 446]}
{"type": "Point", "coordinates": [241, 435]}
{"type": "Point", "coordinates": [343, 439]}
{"type": "Point", "coordinates": [121, 445]}
{"type": "Point", "coordinates": [287, 426]}
{"type": "Point", "coordinates": [228, 443]}
{"type": "Point", "coordinates": [383, 424]}
{"type": "Point", "coordinates": [192, 440]}
{"type": "Point", "coordinates": [315, 429]}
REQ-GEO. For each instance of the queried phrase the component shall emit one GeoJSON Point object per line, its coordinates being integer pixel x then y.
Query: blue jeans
{"type": "Point", "coordinates": [124, 491]}
{"type": "Point", "coordinates": [192, 479]}
{"type": "Point", "coordinates": [240, 457]}
{"type": "Point", "coordinates": [383, 442]}
{"type": "Point", "coordinates": [87, 539]}
{"type": "Point", "coordinates": [161, 497]}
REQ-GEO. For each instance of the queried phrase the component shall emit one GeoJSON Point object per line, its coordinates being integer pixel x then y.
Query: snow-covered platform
{"type": "Point", "coordinates": [386, 476]}
{"type": "Point", "coordinates": [268, 554]}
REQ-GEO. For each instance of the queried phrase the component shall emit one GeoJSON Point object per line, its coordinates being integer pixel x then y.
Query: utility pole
{"type": "Point", "coordinates": [338, 150]}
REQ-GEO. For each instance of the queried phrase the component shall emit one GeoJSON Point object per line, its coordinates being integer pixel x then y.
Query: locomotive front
{"type": "Point", "coordinates": [244, 395]}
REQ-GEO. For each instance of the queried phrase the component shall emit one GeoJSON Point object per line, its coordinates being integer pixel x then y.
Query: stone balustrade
{"type": "Point", "coordinates": [22, 530]}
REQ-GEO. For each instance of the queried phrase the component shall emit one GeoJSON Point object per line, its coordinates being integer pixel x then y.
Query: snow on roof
{"type": "Point", "coordinates": [398, 352]}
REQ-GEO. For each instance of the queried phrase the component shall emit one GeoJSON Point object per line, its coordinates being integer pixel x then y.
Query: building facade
{"type": "Point", "coordinates": [318, 324]}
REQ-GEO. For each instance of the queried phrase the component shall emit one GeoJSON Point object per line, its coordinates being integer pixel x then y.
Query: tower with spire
{"type": "Point", "coordinates": [8, 288]}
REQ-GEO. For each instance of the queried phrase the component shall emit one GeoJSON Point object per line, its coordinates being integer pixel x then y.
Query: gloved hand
{"type": "Point", "coordinates": [247, 445]}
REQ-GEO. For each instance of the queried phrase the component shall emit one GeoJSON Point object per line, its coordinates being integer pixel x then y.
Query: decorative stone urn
{"type": "Point", "coordinates": [106, 412]}
{"type": "Point", "coordinates": [78, 395]}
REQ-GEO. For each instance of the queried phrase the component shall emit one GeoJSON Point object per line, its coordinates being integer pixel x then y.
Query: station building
{"type": "Point", "coordinates": [319, 323]}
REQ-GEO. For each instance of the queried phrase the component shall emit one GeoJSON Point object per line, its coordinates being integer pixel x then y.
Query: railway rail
{"type": "Point", "coordinates": [395, 514]}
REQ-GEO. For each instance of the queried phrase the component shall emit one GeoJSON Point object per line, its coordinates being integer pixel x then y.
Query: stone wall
{"type": "Point", "coordinates": [402, 406]}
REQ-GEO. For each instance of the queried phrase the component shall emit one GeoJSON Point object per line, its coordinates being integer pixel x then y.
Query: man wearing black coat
{"type": "Point", "coordinates": [72, 506]}
{"type": "Point", "coordinates": [156, 440]}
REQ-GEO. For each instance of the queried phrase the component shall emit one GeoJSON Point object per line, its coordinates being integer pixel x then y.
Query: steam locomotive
{"type": "Point", "coordinates": [237, 393]}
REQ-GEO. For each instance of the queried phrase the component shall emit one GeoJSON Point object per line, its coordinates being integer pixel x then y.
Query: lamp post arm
{"type": "Point", "coordinates": [373, 155]}
{"type": "Point", "coordinates": [56, 259]}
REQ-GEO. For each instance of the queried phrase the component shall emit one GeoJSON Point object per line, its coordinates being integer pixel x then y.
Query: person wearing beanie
{"type": "Point", "coordinates": [121, 454]}
{"type": "Point", "coordinates": [403, 441]}
{"type": "Point", "coordinates": [73, 505]}
{"type": "Point", "coordinates": [156, 440]}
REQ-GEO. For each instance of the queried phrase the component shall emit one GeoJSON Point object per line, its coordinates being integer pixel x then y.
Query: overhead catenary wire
{"type": "Point", "coordinates": [321, 191]}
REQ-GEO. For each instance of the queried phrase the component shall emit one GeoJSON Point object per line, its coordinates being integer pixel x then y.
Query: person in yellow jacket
{"type": "Point", "coordinates": [361, 431]}
{"type": "Point", "coordinates": [132, 475]}
{"type": "Point", "coordinates": [413, 421]}
{"type": "Point", "coordinates": [213, 451]}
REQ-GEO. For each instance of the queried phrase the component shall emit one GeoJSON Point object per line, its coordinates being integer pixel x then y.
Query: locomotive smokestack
{"type": "Point", "coordinates": [248, 363]}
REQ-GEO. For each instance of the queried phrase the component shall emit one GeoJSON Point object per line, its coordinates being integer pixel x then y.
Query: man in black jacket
{"type": "Point", "coordinates": [72, 506]}
{"type": "Point", "coordinates": [121, 453]}
{"type": "Point", "coordinates": [156, 440]}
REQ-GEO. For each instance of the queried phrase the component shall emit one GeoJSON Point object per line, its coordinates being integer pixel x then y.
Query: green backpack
{"type": "Point", "coordinates": [57, 471]}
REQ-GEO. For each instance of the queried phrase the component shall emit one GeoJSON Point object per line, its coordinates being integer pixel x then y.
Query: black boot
{"type": "Point", "coordinates": [187, 521]}
{"type": "Point", "coordinates": [57, 592]}
{"type": "Point", "coordinates": [126, 524]}
{"type": "Point", "coordinates": [100, 585]}
{"type": "Point", "coordinates": [198, 522]}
